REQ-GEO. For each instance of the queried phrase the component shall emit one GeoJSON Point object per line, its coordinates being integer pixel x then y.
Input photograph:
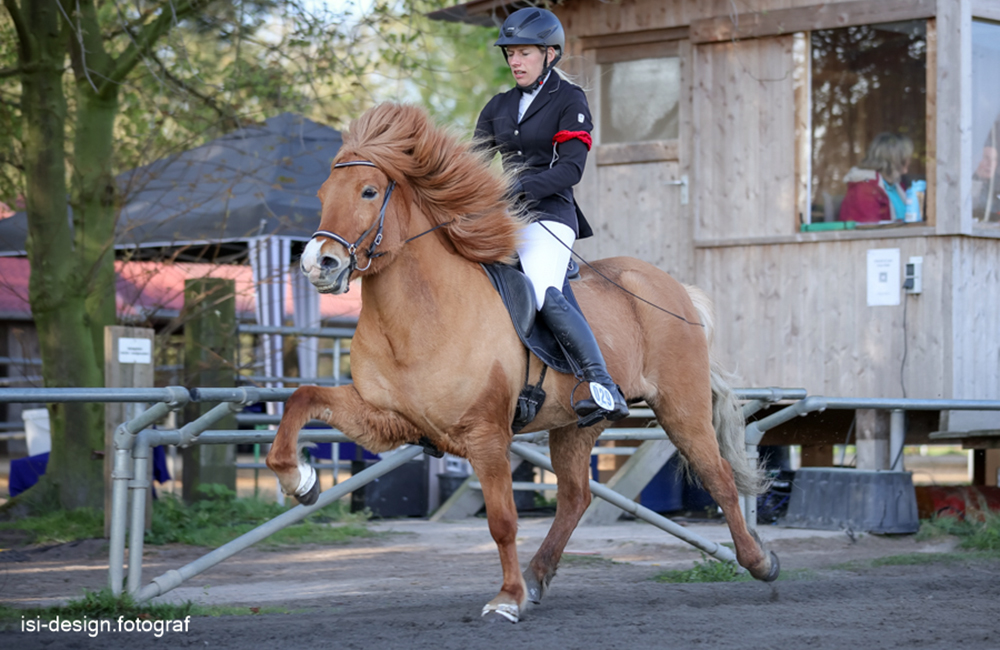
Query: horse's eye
{"type": "Point", "coordinates": [369, 193]}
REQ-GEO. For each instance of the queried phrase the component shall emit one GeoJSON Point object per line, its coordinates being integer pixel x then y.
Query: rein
{"type": "Point", "coordinates": [352, 249]}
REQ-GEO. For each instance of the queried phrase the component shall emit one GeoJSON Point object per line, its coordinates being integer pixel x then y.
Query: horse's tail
{"type": "Point", "coordinates": [727, 414]}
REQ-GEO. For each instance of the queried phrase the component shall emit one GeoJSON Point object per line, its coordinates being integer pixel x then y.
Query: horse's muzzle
{"type": "Point", "coordinates": [328, 273]}
{"type": "Point", "coordinates": [336, 282]}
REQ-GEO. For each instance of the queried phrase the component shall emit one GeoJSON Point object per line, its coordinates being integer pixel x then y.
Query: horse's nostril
{"type": "Point", "coordinates": [329, 263]}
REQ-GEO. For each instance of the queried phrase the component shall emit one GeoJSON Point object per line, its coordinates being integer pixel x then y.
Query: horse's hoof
{"type": "Point", "coordinates": [533, 587]}
{"type": "Point", "coordinates": [772, 575]}
{"type": "Point", "coordinates": [309, 497]}
{"type": "Point", "coordinates": [502, 613]}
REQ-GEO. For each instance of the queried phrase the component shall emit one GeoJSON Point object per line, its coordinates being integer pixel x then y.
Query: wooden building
{"type": "Point", "coordinates": [722, 134]}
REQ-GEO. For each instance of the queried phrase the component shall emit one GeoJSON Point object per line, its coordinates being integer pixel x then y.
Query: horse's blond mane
{"type": "Point", "coordinates": [452, 182]}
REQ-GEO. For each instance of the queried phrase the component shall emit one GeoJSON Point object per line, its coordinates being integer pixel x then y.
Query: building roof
{"type": "Point", "coordinates": [256, 181]}
{"type": "Point", "coordinates": [485, 13]}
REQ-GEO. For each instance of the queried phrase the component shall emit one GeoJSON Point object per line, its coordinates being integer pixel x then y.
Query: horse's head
{"type": "Point", "coordinates": [354, 198]}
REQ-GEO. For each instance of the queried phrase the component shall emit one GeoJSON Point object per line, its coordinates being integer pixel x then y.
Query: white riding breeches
{"type": "Point", "coordinates": [543, 258]}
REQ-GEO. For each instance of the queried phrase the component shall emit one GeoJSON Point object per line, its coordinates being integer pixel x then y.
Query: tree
{"type": "Point", "coordinates": [89, 88]}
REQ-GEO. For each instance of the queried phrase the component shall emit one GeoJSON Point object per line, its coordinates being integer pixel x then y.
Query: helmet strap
{"type": "Point", "coordinates": [537, 83]}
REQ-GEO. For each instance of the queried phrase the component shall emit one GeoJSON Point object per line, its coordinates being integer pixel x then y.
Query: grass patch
{"type": "Point", "coordinates": [707, 570]}
{"type": "Point", "coordinates": [104, 605]}
{"type": "Point", "coordinates": [219, 517]}
{"type": "Point", "coordinates": [914, 559]}
{"type": "Point", "coordinates": [574, 559]}
{"type": "Point", "coordinates": [977, 532]}
{"type": "Point", "coordinates": [60, 526]}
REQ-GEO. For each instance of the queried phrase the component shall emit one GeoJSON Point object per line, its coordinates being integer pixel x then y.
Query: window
{"type": "Point", "coordinates": [640, 100]}
{"type": "Point", "coordinates": [866, 81]}
{"type": "Point", "coordinates": [985, 121]}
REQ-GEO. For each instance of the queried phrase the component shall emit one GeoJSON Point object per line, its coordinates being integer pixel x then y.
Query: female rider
{"type": "Point", "coordinates": [542, 128]}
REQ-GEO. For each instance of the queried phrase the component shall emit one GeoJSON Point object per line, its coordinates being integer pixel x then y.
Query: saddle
{"type": "Point", "coordinates": [518, 297]}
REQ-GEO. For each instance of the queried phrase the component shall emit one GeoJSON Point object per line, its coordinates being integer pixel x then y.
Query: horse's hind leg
{"type": "Point", "coordinates": [695, 440]}
{"type": "Point", "coordinates": [570, 448]}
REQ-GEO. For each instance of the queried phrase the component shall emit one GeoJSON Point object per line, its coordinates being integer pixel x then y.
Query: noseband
{"type": "Point", "coordinates": [352, 249]}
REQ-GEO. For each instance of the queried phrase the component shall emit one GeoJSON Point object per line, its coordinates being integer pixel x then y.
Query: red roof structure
{"type": "Point", "coordinates": [149, 291]}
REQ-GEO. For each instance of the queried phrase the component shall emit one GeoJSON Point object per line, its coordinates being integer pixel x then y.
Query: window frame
{"type": "Point", "coordinates": [802, 72]}
{"type": "Point", "coordinates": [618, 48]}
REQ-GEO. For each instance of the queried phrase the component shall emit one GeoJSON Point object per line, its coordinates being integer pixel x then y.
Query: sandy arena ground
{"type": "Point", "coordinates": [421, 585]}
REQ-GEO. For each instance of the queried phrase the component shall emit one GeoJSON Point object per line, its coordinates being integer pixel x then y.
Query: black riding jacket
{"type": "Point", "coordinates": [546, 172]}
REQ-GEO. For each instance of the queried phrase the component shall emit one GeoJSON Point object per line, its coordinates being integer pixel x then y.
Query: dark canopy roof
{"type": "Point", "coordinates": [258, 180]}
{"type": "Point", "coordinates": [485, 13]}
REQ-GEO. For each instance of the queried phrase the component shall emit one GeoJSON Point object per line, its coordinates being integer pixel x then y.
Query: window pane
{"type": "Point", "coordinates": [866, 81]}
{"type": "Point", "coordinates": [985, 121]}
{"type": "Point", "coordinates": [639, 100]}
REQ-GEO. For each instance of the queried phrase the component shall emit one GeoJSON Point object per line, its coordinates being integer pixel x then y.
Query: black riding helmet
{"type": "Point", "coordinates": [533, 26]}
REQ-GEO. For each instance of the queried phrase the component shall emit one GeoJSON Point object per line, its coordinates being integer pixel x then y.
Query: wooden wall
{"type": "Point", "coordinates": [797, 315]}
{"type": "Point", "coordinates": [744, 139]}
{"type": "Point", "coordinates": [792, 307]}
{"type": "Point", "coordinates": [975, 317]}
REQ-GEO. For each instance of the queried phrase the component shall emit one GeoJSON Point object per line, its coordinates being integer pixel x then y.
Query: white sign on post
{"type": "Point", "coordinates": [884, 284]}
{"type": "Point", "coordinates": [135, 351]}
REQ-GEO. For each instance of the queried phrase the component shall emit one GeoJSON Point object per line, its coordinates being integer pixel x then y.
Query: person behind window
{"type": "Point", "coordinates": [874, 189]}
{"type": "Point", "coordinates": [541, 127]}
{"type": "Point", "coordinates": [986, 185]}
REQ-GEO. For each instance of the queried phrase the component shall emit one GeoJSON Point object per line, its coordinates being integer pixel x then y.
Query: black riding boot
{"type": "Point", "coordinates": [573, 332]}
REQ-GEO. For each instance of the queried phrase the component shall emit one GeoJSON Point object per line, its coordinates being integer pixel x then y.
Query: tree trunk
{"type": "Point", "coordinates": [60, 274]}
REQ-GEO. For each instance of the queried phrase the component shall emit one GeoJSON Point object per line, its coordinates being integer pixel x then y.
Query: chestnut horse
{"type": "Point", "coordinates": [413, 210]}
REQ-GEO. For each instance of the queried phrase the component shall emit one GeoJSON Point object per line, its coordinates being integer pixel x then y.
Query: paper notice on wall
{"type": "Point", "coordinates": [135, 351]}
{"type": "Point", "coordinates": [884, 285]}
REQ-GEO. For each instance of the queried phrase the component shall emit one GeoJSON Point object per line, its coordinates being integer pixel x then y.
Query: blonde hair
{"type": "Point", "coordinates": [888, 155]}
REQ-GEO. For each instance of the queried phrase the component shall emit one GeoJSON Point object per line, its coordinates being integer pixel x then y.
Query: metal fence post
{"type": "Point", "coordinates": [121, 475]}
{"type": "Point", "coordinates": [897, 439]}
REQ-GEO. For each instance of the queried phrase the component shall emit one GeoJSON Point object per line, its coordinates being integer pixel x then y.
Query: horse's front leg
{"type": "Point", "coordinates": [342, 408]}
{"type": "Point", "coordinates": [491, 462]}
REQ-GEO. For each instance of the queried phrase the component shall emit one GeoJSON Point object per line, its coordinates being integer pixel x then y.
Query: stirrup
{"type": "Point", "coordinates": [602, 405]}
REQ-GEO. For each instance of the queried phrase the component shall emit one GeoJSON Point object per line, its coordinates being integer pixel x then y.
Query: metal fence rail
{"type": "Point", "coordinates": [133, 441]}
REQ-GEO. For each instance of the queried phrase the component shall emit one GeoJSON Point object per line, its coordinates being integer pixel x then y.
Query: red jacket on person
{"type": "Point", "coordinates": [866, 201]}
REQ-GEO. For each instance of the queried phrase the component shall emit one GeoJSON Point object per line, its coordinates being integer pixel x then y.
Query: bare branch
{"type": "Point", "coordinates": [10, 72]}
{"type": "Point", "coordinates": [132, 24]}
{"type": "Point", "coordinates": [78, 30]}
{"type": "Point", "coordinates": [229, 117]}
{"type": "Point", "coordinates": [148, 36]}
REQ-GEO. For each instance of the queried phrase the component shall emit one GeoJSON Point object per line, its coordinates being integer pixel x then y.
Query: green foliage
{"type": "Point", "coordinates": [220, 517]}
{"type": "Point", "coordinates": [60, 526]}
{"type": "Point", "coordinates": [707, 570]}
{"type": "Point", "coordinates": [214, 520]}
{"type": "Point", "coordinates": [978, 531]}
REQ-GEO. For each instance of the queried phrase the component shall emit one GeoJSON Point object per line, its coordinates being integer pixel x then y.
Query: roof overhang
{"type": "Point", "coordinates": [485, 13]}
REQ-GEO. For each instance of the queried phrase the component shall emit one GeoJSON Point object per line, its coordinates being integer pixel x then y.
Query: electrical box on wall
{"type": "Point", "coordinates": [913, 275]}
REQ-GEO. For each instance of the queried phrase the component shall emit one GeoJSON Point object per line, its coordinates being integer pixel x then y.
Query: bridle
{"type": "Point", "coordinates": [352, 249]}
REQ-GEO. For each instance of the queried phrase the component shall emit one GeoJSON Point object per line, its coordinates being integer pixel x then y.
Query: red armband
{"type": "Point", "coordinates": [565, 136]}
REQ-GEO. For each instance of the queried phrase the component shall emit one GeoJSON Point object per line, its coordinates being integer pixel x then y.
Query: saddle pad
{"type": "Point", "coordinates": [519, 298]}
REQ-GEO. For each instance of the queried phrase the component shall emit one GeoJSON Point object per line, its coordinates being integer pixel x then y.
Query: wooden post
{"type": "Point", "coordinates": [817, 456]}
{"type": "Point", "coordinates": [128, 363]}
{"type": "Point", "coordinates": [873, 439]}
{"type": "Point", "coordinates": [209, 362]}
{"type": "Point", "coordinates": [992, 466]}
{"type": "Point", "coordinates": [634, 475]}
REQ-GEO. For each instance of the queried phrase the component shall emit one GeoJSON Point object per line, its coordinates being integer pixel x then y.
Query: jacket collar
{"type": "Point", "coordinates": [544, 96]}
